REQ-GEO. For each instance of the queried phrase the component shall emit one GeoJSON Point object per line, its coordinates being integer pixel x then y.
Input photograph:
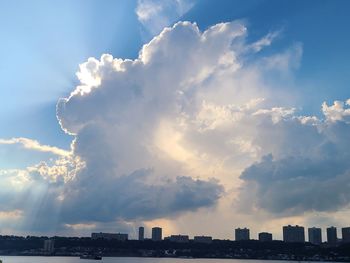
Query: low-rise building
{"type": "Point", "coordinates": [179, 238]}
{"type": "Point", "coordinates": [203, 239]}
{"type": "Point", "coordinates": [110, 236]}
{"type": "Point", "coordinates": [265, 237]}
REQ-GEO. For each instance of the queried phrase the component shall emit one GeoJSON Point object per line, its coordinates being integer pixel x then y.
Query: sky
{"type": "Point", "coordinates": [196, 116]}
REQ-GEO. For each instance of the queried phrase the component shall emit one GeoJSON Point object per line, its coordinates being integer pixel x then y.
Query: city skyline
{"type": "Point", "coordinates": [301, 234]}
{"type": "Point", "coordinates": [181, 114]}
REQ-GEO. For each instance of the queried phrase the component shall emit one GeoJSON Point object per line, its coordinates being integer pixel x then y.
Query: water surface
{"type": "Point", "coordinates": [15, 259]}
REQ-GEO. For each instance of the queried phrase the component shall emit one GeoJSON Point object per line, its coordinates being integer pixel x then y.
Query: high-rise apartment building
{"type": "Point", "coordinates": [156, 234]}
{"type": "Point", "coordinates": [332, 238]}
{"type": "Point", "coordinates": [241, 234]}
{"type": "Point", "coordinates": [315, 235]}
{"type": "Point", "coordinates": [293, 234]}
{"type": "Point", "coordinates": [346, 234]}
{"type": "Point", "coordinates": [141, 233]}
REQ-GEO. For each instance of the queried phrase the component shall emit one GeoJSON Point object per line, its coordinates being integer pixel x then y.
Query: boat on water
{"type": "Point", "coordinates": [87, 256]}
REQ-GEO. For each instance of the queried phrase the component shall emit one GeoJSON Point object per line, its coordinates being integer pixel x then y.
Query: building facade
{"type": "Point", "coordinates": [203, 239]}
{"type": "Point", "coordinates": [141, 233]}
{"type": "Point", "coordinates": [179, 238]}
{"type": "Point", "coordinates": [265, 237]}
{"type": "Point", "coordinates": [315, 235]}
{"type": "Point", "coordinates": [156, 234]}
{"type": "Point", "coordinates": [346, 234]}
{"type": "Point", "coordinates": [241, 234]}
{"type": "Point", "coordinates": [110, 236]}
{"type": "Point", "coordinates": [332, 238]}
{"type": "Point", "coordinates": [49, 245]}
{"type": "Point", "coordinates": [293, 234]}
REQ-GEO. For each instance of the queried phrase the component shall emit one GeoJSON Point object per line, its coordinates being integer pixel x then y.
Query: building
{"type": "Point", "coordinates": [110, 236]}
{"type": "Point", "coordinates": [203, 239]}
{"type": "Point", "coordinates": [332, 236]}
{"type": "Point", "coordinates": [345, 231]}
{"type": "Point", "coordinates": [179, 238]}
{"type": "Point", "coordinates": [156, 234]}
{"type": "Point", "coordinates": [315, 235]}
{"type": "Point", "coordinates": [241, 234]}
{"type": "Point", "coordinates": [49, 245]}
{"type": "Point", "coordinates": [141, 233]}
{"type": "Point", "coordinates": [265, 237]}
{"type": "Point", "coordinates": [293, 234]}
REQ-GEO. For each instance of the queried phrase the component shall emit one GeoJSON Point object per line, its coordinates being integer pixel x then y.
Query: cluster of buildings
{"type": "Point", "coordinates": [290, 234]}
{"type": "Point", "coordinates": [157, 235]}
{"type": "Point", "coordinates": [297, 234]}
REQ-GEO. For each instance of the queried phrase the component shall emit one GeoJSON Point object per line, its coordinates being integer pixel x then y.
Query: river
{"type": "Point", "coordinates": [15, 259]}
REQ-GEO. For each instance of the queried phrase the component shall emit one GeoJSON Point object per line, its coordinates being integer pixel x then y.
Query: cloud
{"type": "Point", "coordinates": [10, 215]}
{"type": "Point", "coordinates": [151, 130]}
{"type": "Point", "coordinates": [123, 116]}
{"type": "Point", "coordinates": [76, 227]}
{"type": "Point", "coordinates": [189, 126]}
{"type": "Point", "coordinates": [130, 198]}
{"type": "Point", "coordinates": [308, 172]}
{"type": "Point", "coordinates": [339, 111]}
{"type": "Point", "coordinates": [154, 15]}
{"type": "Point", "coordinates": [265, 41]}
{"type": "Point", "coordinates": [35, 146]}
{"type": "Point", "coordinates": [32, 196]}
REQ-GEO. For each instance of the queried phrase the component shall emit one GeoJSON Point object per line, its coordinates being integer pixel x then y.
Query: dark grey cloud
{"type": "Point", "coordinates": [129, 197]}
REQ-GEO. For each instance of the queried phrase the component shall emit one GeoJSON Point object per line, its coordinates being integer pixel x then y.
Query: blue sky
{"type": "Point", "coordinates": [46, 41]}
{"type": "Point", "coordinates": [284, 59]}
{"type": "Point", "coordinates": [321, 27]}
